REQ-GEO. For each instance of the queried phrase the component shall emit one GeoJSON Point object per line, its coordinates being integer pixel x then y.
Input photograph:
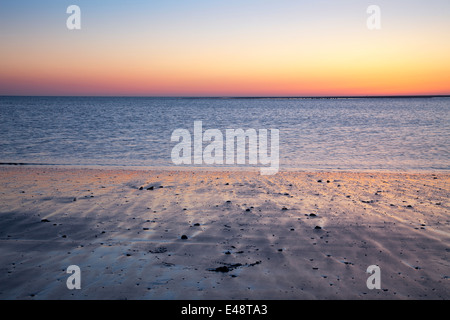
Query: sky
{"type": "Point", "coordinates": [225, 48]}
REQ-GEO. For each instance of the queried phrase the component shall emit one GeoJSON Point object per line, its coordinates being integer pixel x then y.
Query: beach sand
{"type": "Point", "coordinates": [248, 236]}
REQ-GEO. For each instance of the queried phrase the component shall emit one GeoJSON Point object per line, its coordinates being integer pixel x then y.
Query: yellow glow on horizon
{"type": "Point", "coordinates": [359, 63]}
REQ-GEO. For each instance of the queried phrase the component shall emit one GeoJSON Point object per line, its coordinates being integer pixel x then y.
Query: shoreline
{"type": "Point", "coordinates": [213, 169]}
{"type": "Point", "coordinates": [293, 235]}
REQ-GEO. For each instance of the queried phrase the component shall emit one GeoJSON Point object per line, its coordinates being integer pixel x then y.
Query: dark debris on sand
{"type": "Point", "coordinates": [227, 267]}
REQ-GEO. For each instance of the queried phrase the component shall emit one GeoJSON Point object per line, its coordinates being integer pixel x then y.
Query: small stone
{"type": "Point", "coordinates": [222, 269]}
{"type": "Point", "coordinates": [45, 220]}
{"type": "Point", "coordinates": [317, 227]}
{"type": "Point", "coordinates": [184, 237]}
{"type": "Point", "coordinates": [150, 188]}
{"type": "Point", "coordinates": [197, 224]}
{"type": "Point", "coordinates": [141, 188]}
{"type": "Point", "coordinates": [312, 215]}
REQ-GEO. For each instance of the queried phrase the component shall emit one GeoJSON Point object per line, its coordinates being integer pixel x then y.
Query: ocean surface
{"type": "Point", "coordinates": [356, 134]}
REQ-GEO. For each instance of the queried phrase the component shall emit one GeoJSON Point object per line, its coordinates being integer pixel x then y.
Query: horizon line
{"type": "Point", "coordinates": [237, 97]}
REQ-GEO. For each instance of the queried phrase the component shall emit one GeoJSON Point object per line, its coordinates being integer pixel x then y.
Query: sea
{"type": "Point", "coordinates": [409, 134]}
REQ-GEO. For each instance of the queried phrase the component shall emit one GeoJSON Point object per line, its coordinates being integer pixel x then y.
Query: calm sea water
{"type": "Point", "coordinates": [315, 134]}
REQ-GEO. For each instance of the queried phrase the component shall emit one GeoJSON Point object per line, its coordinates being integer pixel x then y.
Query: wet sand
{"type": "Point", "coordinates": [293, 235]}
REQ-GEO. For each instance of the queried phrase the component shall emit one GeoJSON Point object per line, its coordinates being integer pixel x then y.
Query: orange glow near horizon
{"type": "Point", "coordinates": [342, 59]}
{"type": "Point", "coordinates": [216, 73]}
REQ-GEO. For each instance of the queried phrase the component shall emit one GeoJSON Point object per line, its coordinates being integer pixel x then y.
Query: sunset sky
{"type": "Point", "coordinates": [225, 48]}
